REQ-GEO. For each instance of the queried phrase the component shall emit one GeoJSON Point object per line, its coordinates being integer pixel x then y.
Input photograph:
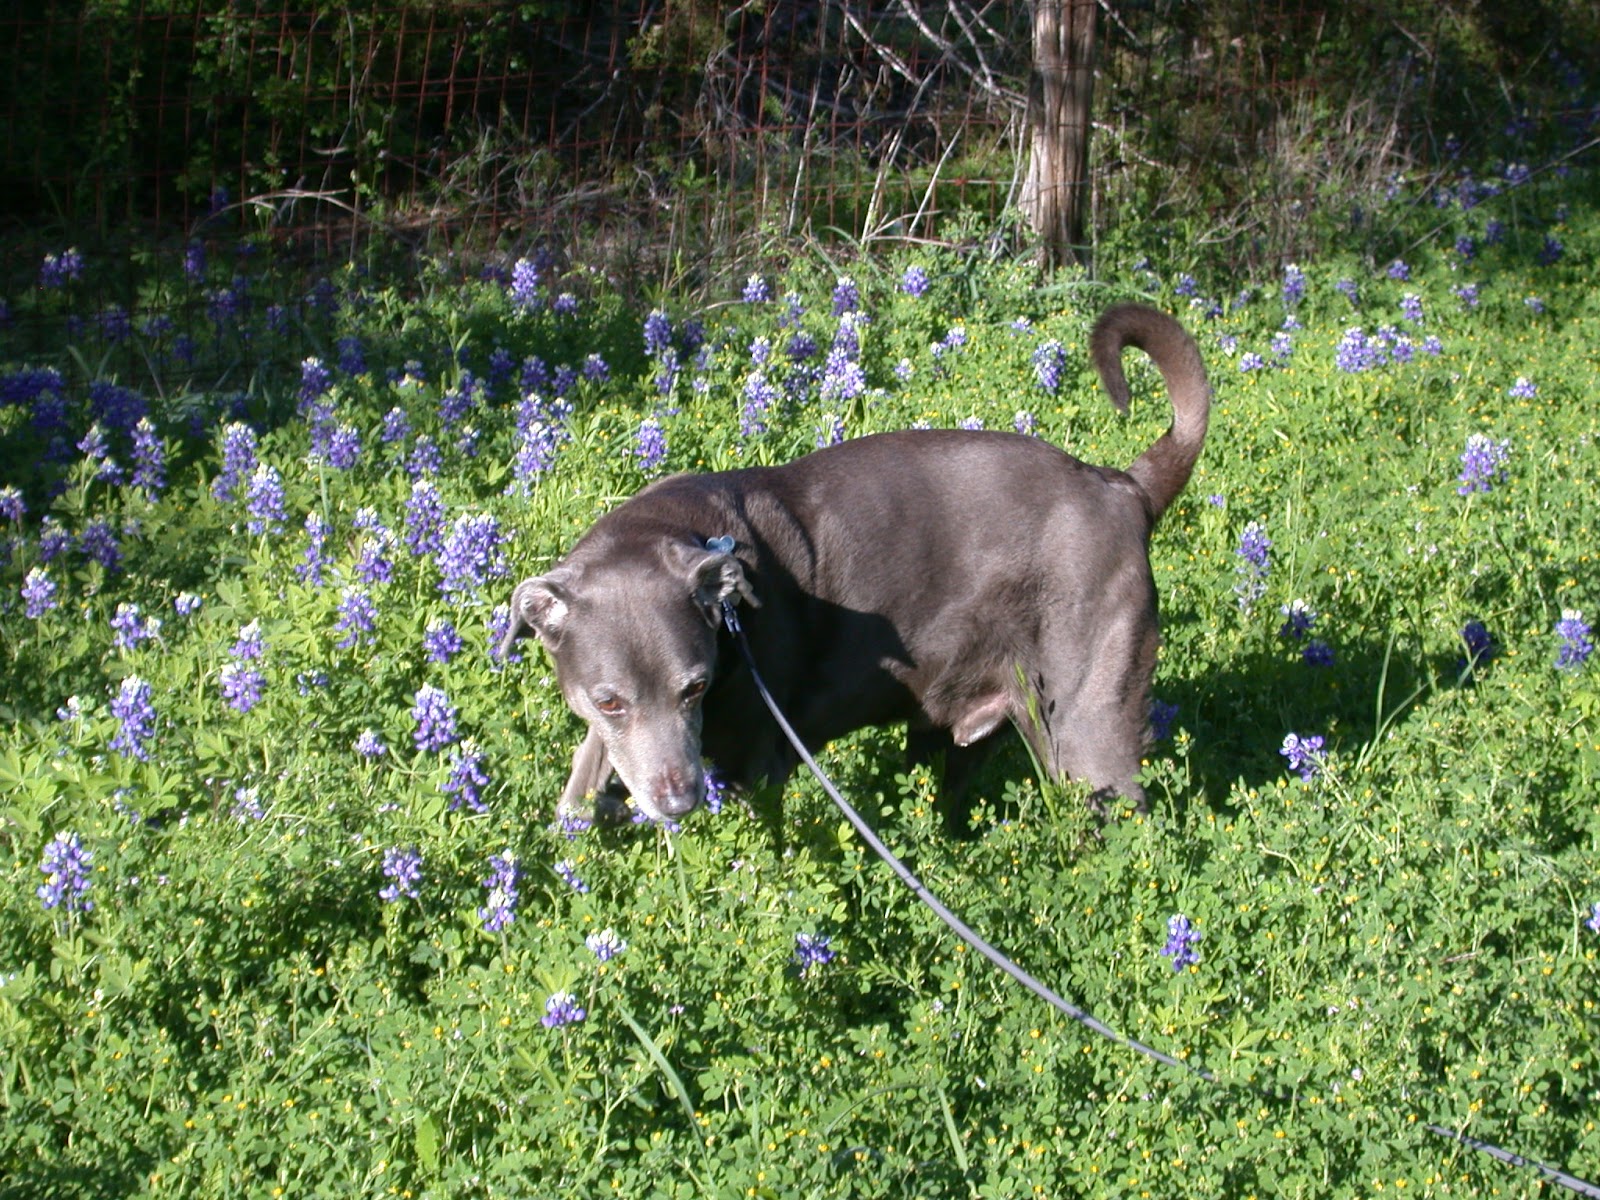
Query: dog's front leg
{"type": "Point", "coordinates": [584, 797]}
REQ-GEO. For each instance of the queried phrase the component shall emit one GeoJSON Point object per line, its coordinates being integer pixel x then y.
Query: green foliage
{"type": "Point", "coordinates": [1402, 939]}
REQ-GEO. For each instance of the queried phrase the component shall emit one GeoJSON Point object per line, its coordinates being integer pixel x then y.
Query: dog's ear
{"type": "Point", "coordinates": [540, 605]}
{"type": "Point", "coordinates": [715, 575]}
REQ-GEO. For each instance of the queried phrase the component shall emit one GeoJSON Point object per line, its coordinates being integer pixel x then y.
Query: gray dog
{"type": "Point", "coordinates": [953, 580]}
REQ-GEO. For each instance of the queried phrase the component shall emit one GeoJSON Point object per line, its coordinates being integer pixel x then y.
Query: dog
{"type": "Point", "coordinates": [957, 581]}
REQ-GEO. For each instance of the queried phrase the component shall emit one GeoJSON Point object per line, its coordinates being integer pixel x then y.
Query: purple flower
{"type": "Point", "coordinates": [315, 380]}
{"type": "Point", "coordinates": [186, 604]}
{"type": "Point", "coordinates": [136, 714]}
{"type": "Point", "coordinates": [238, 461]}
{"type": "Point", "coordinates": [1347, 288]}
{"type": "Point", "coordinates": [352, 360]}
{"type": "Point", "coordinates": [759, 397]}
{"type": "Point", "coordinates": [264, 501]}
{"type": "Point", "coordinates": [1253, 565]}
{"type": "Point", "coordinates": [595, 369]}
{"type": "Point", "coordinates": [129, 628]}
{"type": "Point", "coordinates": [1304, 755]}
{"type": "Point", "coordinates": [914, 282]}
{"type": "Point", "coordinates": [1551, 252]}
{"type": "Point", "coordinates": [846, 296]}
{"type": "Point", "coordinates": [369, 745]}
{"type": "Point", "coordinates": [1483, 464]}
{"type": "Point", "coordinates": [1182, 938]}
{"type": "Point", "coordinates": [1575, 643]}
{"type": "Point", "coordinates": [358, 618]}
{"type": "Point", "coordinates": [435, 717]}
{"type": "Point", "coordinates": [756, 290]}
{"type": "Point", "coordinates": [311, 571]}
{"type": "Point", "coordinates": [1251, 361]}
{"type": "Point", "coordinates": [500, 907]}
{"type": "Point", "coordinates": [524, 290]}
{"type": "Point", "coordinates": [467, 778]}
{"type": "Point", "coordinates": [1357, 352]}
{"type": "Point", "coordinates": [441, 641]}
{"type": "Point", "coordinates": [38, 593]}
{"type": "Point", "coordinates": [65, 866]}
{"type": "Point", "coordinates": [343, 449]}
{"type": "Point", "coordinates": [1162, 715]}
{"type": "Point", "coordinates": [247, 805]}
{"type": "Point", "coordinates": [1317, 653]}
{"type": "Point", "coordinates": [473, 553]}
{"type": "Point", "coordinates": [1049, 365]}
{"type": "Point", "coordinates": [1299, 617]}
{"type": "Point", "coordinates": [1024, 422]}
{"type": "Point", "coordinates": [1399, 271]}
{"type": "Point", "coordinates": [424, 519]}
{"type": "Point", "coordinates": [562, 1009]}
{"type": "Point", "coordinates": [249, 645]}
{"type": "Point", "coordinates": [1411, 308]}
{"type": "Point", "coordinates": [241, 686]}
{"type": "Point", "coordinates": [1294, 284]}
{"type": "Point", "coordinates": [396, 427]}
{"type": "Point", "coordinates": [605, 945]}
{"type": "Point", "coordinates": [657, 333]}
{"type": "Point", "coordinates": [569, 874]}
{"type": "Point", "coordinates": [831, 431]}
{"type": "Point", "coordinates": [99, 544]}
{"type": "Point", "coordinates": [12, 507]}
{"type": "Point", "coordinates": [425, 458]}
{"type": "Point", "coordinates": [651, 445]}
{"type": "Point", "coordinates": [1479, 643]}
{"type": "Point", "coordinates": [403, 869]}
{"type": "Point", "coordinates": [149, 458]}
{"type": "Point", "coordinates": [373, 564]}
{"type": "Point", "coordinates": [1523, 389]}
{"type": "Point", "coordinates": [1593, 923]}
{"type": "Point", "coordinates": [58, 270]}
{"type": "Point", "coordinates": [811, 951]}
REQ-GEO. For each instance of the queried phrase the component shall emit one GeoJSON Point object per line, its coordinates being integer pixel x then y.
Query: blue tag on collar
{"type": "Point", "coordinates": [720, 545]}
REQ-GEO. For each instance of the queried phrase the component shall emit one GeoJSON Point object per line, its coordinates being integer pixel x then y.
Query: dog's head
{"type": "Point", "coordinates": [633, 635]}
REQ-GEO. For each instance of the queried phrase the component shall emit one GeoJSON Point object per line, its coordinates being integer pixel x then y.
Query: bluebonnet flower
{"type": "Point", "coordinates": [759, 397]}
{"type": "Point", "coordinates": [98, 541]}
{"type": "Point", "coordinates": [115, 327]}
{"type": "Point", "coordinates": [843, 379]}
{"type": "Point", "coordinates": [358, 617]}
{"type": "Point", "coordinates": [1399, 271]}
{"type": "Point", "coordinates": [12, 507]}
{"type": "Point", "coordinates": [96, 447]}
{"type": "Point", "coordinates": [562, 1008]}
{"type": "Point", "coordinates": [473, 553]}
{"type": "Point", "coordinates": [811, 951]}
{"type": "Point", "coordinates": [500, 907]}
{"type": "Point", "coordinates": [315, 380]}
{"type": "Point", "coordinates": [352, 359]}
{"type": "Point", "coordinates": [569, 874]}
{"type": "Point", "coordinates": [914, 282]}
{"type": "Point", "coordinates": [537, 449]}
{"type": "Point", "coordinates": [716, 790]}
{"type": "Point", "coordinates": [1251, 361]}
{"type": "Point", "coordinates": [441, 641]}
{"type": "Point", "coordinates": [435, 717]}
{"type": "Point", "coordinates": [247, 805]}
{"type": "Point", "coordinates": [605, 945]}
{"type": "Point", "coordinates": [1299, 617]}
{"type": "Point", "coordinates": [424, 519]}
{"type": "Point", "coordinates": [250, 644]}
{"type": "Point", "coordinates": [1348, 289]}
{"type": "Point", "coordinates": [1523, 389]}
{"type": "Point", "coordinates": [1187, 285]}
{"type": "Point", "coordinates": [1294, 284]}
{"type": "Point", "coordinates": [373, 564]}
{"type": "Point", "coordinates": [129, 628]}
{"type": "Point", "coordinates": [756, 290]}
{"type": "Point", "coordinates": [498, 623]}
{"type": "Point", "coordinates": [343, 449]}
{"type": "Point", "coordinates": [1317, 653]}
{"type": "Point", "coordinates": [467, 778]}
{"type": "Point", "coordinates": [657, 333]}
{"type": "Point", "coordinates": [1575, 644]}
{"type": "Point", "coordinates": [239, 461]}
{"type": "Point", "coordinates": [1483, 464]}
{"type": "Point", "coordinates": [313, 570]}
{"type": "Point", "coordinates": [264, 501]}
{"type": "Point", "coordinates": [403, 869]}
{"type": "Point", "coordinates": [65, 866]}
{"type": "Point", "coordinates": [135, 712]}
{"type": "Point", "coordinates": [459, 402]}
{"type": "Point", "coordinates": [1049, 365]}
{"type": "Point", "coordinates": [1182, 938]}
{"type": "Point", "coordinates": [58, 270]}
{"type": "Point", "coordinates": [1534, 304]}
{"type": "Point", "coordinates": [1024, 422]}
{"type": "Point", "coordinates": [831, 431]}
{"type": "Point", "coordinates": [396, 426]}
{"type": "Point", "coordinates": [1162, 715]}
{"type": "Point", "coordinates": [186, 604]}
{"type": "Point", "coordinates": [425, 458]}
{"type": "Point", "coordinates": [970, 423]}
{"type": "Point", "coordinates": [650, 446]}
{"type": "Point", "coordinates": [1593, 923]}
{"type": "Point", "coordinates": [1551, 252]}
{"type": "Point", "coordinates": [524, 289]}
{"type": "Point", "coordinates": [1357, 352]}
{"type": "Point", "coordinates": [149, 458]}
{"type": "Point", "coordinates": [565, 305]}
{"type": "Point", "coordinates": [846, 296]}
{"type": "Point", "coordinates": [1253, 565]}
{"type": "Point", "coordinates": [369, 744]}
{"type": "Point", "coordinates": [1480, 645]}
{"type": "Point", "coordinates": [800, 346]}
{"type": "Point", "coordinates": [1411, 307]}
{"type": "Point", "coordinates": [38, 593]}
{"type": "Point", "coordinates": [241, 686]}
{"type": "Point", "coordinates": [1304, 755]}
{"type": "Point", "coordinates": [595, 369]}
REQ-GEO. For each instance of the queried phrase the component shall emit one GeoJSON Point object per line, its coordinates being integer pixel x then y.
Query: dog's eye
{"type": "Point", "coordinates": [694, 691]}
{"type": "Point", "coordinates": [609, 706]}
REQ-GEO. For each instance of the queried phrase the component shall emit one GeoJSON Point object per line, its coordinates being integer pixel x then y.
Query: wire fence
{"type": "Point", "coordinates": [682, 138]}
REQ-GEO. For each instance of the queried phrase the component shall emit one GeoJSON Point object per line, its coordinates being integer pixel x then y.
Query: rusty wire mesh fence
{"type": "Point", "coordinates": [681, 140]}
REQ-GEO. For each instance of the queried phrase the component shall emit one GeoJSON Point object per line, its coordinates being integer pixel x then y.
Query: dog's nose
{"type": "Point", "coordinates": [677, 793]}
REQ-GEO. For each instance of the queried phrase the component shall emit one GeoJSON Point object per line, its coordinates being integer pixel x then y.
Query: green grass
{"type": "Point", "coordinates": [1401, 941]}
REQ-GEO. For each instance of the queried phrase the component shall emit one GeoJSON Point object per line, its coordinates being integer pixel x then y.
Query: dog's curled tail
{"type": "Point", "coordinates": [1163, 469]}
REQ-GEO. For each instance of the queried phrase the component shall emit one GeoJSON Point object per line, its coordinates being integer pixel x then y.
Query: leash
{"type": "Point", "coordinates": [965, 932]}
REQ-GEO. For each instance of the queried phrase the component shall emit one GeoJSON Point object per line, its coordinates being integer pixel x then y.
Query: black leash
{"type": "Point", "coordinates": [965, 932]}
